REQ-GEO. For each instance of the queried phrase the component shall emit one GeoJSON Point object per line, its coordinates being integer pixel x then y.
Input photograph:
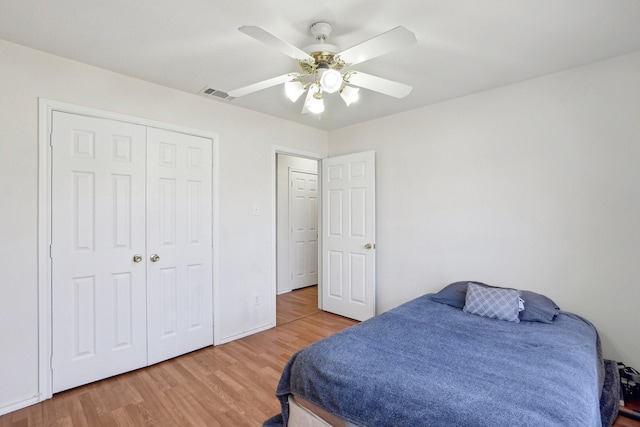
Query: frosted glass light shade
{"type": "Point", "coordinates": [293, 90]}
{"type": "Point", "coordinates": [315, 105]}
{"type": "Point", "coordinates": [311, 103]}
{"type": "Point", "coordinates": [349, 94]}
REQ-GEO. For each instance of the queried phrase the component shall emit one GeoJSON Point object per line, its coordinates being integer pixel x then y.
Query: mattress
{"type": "Point", "coordinates": [426, 363]}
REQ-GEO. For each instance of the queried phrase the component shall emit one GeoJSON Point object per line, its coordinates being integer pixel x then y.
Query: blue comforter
{"type": "Point", "coordinates": [429, 364]}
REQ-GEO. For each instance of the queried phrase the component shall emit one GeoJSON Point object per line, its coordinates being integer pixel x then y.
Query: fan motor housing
{"type": "Point", "coordinates": [322, 57]}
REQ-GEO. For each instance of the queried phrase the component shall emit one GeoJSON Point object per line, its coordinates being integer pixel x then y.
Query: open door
{"type": "Point", "coordinates": [348, 231]}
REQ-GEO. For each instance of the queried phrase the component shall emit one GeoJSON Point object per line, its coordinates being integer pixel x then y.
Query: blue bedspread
{"type": "Point", "coordinates": [429, 364]}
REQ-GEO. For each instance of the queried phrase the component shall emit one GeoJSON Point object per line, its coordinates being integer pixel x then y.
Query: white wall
{"type": "Point", "coordinates": [245, 179]}
{"type": "Point", "coordinates": [285, 163]}
{"type": "Point", "coordinates": [535, 185]}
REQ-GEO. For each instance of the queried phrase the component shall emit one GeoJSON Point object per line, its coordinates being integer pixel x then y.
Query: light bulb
{"type": "Point", "coordinates": [330, 80]}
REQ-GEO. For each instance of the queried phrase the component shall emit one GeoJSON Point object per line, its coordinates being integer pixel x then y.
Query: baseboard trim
{"type": "Point", "coordinates": [245, 334]}
{"type": "Point", "coordinates": [19, 405]}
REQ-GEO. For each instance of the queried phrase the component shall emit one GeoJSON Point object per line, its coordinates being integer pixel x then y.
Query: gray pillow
{"type": "Point", "coordinates": [494, 303]}
{"type": "Point", "coordinates": [455, 293]}
{"type": "Point", "coordinates": [537, 307]}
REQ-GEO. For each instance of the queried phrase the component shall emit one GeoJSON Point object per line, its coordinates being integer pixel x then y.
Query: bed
{"type": "Point", "coordinates": [433, 361]}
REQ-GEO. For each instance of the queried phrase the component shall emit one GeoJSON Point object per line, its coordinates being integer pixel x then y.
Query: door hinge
{"type": "Point", "coordinates": [51, 251]}
{"type": "Point", "coordinates": [51, 139]}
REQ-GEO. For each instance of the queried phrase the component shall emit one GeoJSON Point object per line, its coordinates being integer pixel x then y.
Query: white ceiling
{"type": "Point", "coordinates": [464, 46]}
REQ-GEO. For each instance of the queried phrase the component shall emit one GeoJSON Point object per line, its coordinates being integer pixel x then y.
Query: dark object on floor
{"type": "Point", "coordinates": [634, 414]}
{"type": "Point", "coordinates": [630, 382]}
{"type": "Point", "coordinates": [629, 391]}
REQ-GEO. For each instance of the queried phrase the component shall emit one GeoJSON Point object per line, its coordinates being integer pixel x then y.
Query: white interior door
{"type": "Point", "coordinates": [98, 226]}
{"type": "Point", "coordinates": [303, 244]}
{"type": "Point", "coordinates": [179, 218]}
{"type": "Point", "coordinates": [348, 231]}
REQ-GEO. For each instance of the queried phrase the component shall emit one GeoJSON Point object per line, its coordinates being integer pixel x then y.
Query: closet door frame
{"type": "Point", "coordinates": [46, 107]}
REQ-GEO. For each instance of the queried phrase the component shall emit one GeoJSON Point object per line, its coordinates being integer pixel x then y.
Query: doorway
{"type": "Point", "coordinates": [346, 278]}
{"type": "Point", "coordinates": [297, 237]}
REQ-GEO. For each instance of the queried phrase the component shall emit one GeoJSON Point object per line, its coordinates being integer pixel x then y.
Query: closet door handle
{"type": "Point", "coordinates": [137, 258]}
{"type": "Point", "coordinates": [154, 258]}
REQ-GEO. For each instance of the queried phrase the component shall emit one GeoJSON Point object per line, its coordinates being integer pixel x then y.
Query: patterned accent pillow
{"type": "Point", "coordinates": [494, 303]}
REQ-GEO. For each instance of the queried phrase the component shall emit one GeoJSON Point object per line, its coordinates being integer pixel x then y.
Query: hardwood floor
{"type": "Point", "coordinates": [296, 304]}
{"type": "Point", "coordinates": [229, 385]}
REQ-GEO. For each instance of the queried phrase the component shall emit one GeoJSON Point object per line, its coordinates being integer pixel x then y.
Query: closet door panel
{"type": "Point", "coordinates": [98, 225]}
{"type": "Point", "coordinates": [179, 233]}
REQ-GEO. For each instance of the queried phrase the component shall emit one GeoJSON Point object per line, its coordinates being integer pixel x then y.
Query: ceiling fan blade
{"type": "Point", "coordinates": [378, 84]}
{"type": "Point", "coordinates": [265, 84]}
{"type": "Point", "coordinates": [379, 45]}
{"type": "Point", "coordinates": [275, 42]}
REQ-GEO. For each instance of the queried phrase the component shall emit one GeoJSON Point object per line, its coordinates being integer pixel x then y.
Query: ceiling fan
{"type": "Point", "coordinates": [325, 69]}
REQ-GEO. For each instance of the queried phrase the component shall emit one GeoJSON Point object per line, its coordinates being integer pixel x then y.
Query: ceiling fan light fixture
{"type": "Point", "coordinates": [330, 80]}
{"type": "Point", "coordinates": [349, 94]}
{"type": "Point", "coordinates": [293, 90]}
{"type": "Point", "coordinates": [322, 67]}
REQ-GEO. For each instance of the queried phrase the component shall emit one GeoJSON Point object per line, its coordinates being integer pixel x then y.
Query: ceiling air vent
{"type": "Point", "coordinates": [208, 91]}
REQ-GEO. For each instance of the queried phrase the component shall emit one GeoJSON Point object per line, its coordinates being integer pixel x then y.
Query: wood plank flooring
{"type": "Point", "coordinates": [229, 385]}
{"type": "Point", "coordinates": [296, 304]}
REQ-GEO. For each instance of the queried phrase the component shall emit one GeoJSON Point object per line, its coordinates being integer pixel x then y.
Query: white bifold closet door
{"type": "Point", "coordinates": [131, 247]}
{"type": "Point", "coordinates": [179, 208]}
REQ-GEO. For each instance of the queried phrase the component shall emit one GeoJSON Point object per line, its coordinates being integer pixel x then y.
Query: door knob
{"type": "Point", "coordinates": [154, 258]}
{"type": "Point", "coordinates": [137, 258]}
{"type": "Point", "coordinates": [368, 246]}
